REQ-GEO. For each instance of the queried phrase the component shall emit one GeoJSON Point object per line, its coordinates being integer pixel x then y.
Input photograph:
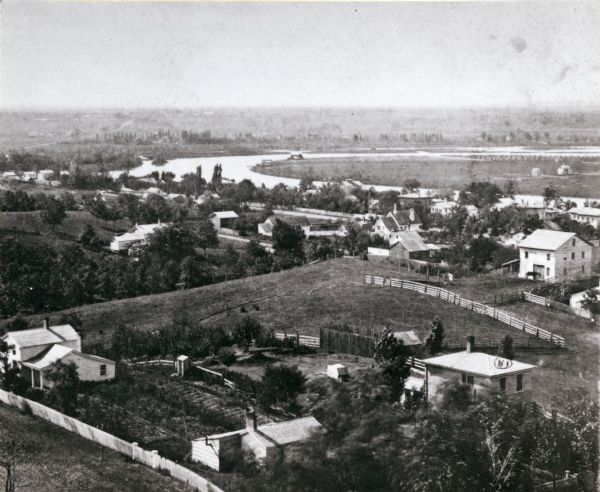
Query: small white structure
{"type": "Point", "coordinates": [576, 299]}
{"type": "Point", "coordinates": [45, 174]}
{"type": "Point", "coordinates": [262, 441]}
{"type": "Point", "coordinates": [586, 215]}
{"type": "Point", "coordinates": [536, 172]}
{"type": "Point", "coordinates": [266, 228]}
{"type": "Point", "coordinates": [223, 219]}
{"type": "Point", "coordinates": [563, 170]}
{"type": "Point", "coordinates": [339, 372]}
{"type": "Point", "coordinates": [554, 256]}
{"type": "Point", "coordinates": [409, 338]}
{"type": "Point", "coordinates": [325, 230]}
{"type": "Point", "coordinates": [139, 236]}
{"type": "Point", "coordinates": [182, 364]}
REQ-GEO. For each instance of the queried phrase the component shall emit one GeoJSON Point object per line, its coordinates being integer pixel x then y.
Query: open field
{"type": "Point", "coordinates": [31, 223]}
{"type": "Point", "coordinates": [49, 459]}
{"type": "Point", "coordinates": [324, 294]}
{"type": "Point", "coordinates": [448, 174]}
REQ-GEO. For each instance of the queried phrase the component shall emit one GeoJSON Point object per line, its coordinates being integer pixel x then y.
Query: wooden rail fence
{"type": "Point", "coordinates": [478, 307]}
{"type": "Point", "coordinates": [304, 340]}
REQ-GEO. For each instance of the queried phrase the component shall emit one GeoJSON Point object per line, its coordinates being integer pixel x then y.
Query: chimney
{"type": "Point", "coordinates": [46, 323]}
{"type": "Point", "coordinates": [250, 418]}
{"type": "Point", "coordinates": [470, 343]}
{"type": "Point", "coordinates": [411, 214]}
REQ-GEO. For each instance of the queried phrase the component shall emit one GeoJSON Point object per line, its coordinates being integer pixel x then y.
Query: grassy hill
{"type": "Point", "coordinates": [303, 300]}
{"type": "Point", "coordinates": [32, 224]}
{"type": "Point", "coordinates": [48, 458]}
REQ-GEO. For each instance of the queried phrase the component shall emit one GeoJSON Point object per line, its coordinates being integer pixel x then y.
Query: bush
{"type": "Point", "coordinates": [226, 355]}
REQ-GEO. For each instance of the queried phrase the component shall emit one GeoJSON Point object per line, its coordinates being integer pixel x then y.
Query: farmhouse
{"type": "Point", "coordinates": [89, 367]}
{"type": "Point", "coordinates": [586, 215]}
{"type": "Point", "coordinates": [35, 351]}
{"type": "Point", "coordinates": [395, 222]}
{"type": "Point", "coordinates": [554, 256]}
{"type": "Point", "coordinates": [25, 344]}
{"type": "Point", "coordinates": [219, 451]}
{"type": "Point", "coordinates": [223, 219]}
{"type": "Point", "coordinates": [139, 236]}
{"type": "Point", "coordinates": [484, 373]}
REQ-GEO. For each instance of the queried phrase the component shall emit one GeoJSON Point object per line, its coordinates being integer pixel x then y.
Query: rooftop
{"type": "Point", "coordinates": [546, 239]}
{"type": "Point", "coordinates": [411, 241]}
{"type": "Point", "coordinates": [226, 214]}
{"type": "Point", "coordinates": [408, 337]}
{"type": "Point", "coordinates": [291, 430]}
{"type": "Point", "coordinates": [478, 363]}
{"type": "Point", "coordinates": [58, 352]}
{"type": "Point", "coordinates": [43, 336]}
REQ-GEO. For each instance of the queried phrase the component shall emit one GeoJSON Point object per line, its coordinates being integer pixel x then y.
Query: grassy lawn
{"type": "Point", "coordinates": [446, 173]}
{"type": "Point", "coordinates": [49, 458]}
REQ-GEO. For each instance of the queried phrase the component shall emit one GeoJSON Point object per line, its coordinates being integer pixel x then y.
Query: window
{"type": "Point", "coordinates": [470, 380]}
{"type": "Point", "coordinates": [573, 255]}
{"type": "Point", "coordinates": [564, 271]}
{"type": "Point", "coordinates": [502, 382]}
{"type": "Point", "coordinates": [582, 268]}
{"type": "Point", "coordinates": [548, 257]}
{"type": "Point", "coordinates": [573, 242]}
{"type": "Point", "coordinates": [526, 254]}
{"type": "Point", "coordinates": [519, 382]}
{"type": "Point", "coordinates": [583, 254]}
{"type": "Point", "coordinates": [547, 271]}
{"type": "Point", "coordinates": [464, 378]}
{"type": "Point", "coordinates": [102, 369]}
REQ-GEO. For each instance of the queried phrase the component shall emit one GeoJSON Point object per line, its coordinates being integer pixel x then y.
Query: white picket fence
{"type": "Point", "coordinates": [304, 340]}
{"type": "Point", "coordinates": [131, 450]}
{"type": "Point", "coordinates": [478, 307]}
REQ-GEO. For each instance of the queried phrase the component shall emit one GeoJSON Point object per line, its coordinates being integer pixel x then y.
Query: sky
{"type": "Point", "coordinates": [184, 55]}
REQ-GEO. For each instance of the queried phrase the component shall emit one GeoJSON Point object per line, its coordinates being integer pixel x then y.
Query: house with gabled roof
{"type": "Point", "coordinates": [218, 451]}
{"type": "Point", "coordinates": [554, 256]}
{"type": "Point", "coordinates": [389, 226]}
{"type": "Point", "coordinates": [36, 351]}
{"type": "Point", "coordinates": [409, 245]}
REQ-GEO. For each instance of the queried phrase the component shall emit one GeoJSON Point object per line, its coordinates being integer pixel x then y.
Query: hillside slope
{"type": "Point", "coordinates": [48, 458]}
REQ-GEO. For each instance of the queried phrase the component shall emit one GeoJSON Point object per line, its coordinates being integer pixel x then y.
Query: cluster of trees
{"type": "Point", "coordinates": [493, 445]}
{"type": "Point", "coordinates": [53, 209]}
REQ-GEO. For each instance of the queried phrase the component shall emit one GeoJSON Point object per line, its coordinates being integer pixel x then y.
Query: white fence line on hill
{"type": "Point", "coordinates": [474, 306]}
{"type": "Point", "coordinates": [131, 450]}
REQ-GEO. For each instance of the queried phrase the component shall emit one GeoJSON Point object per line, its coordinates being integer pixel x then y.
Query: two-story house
{"type": "Point", "coordinates": [554, 256]}
{"type": "Point", "coordinates": [586, 215]}
{"type": "Point", "coordinates": [389, 226]}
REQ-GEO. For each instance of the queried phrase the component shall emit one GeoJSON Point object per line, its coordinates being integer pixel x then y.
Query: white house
{"type": "Point", "coordinates": [25, 344]}
{"type": "Point", "coordinates": [390, 225]}
{"type": "Point", "coordinates": [223, 219]}
{"type": "Point", "coordinates": [89, 367]}
{"type": "Point", "coordinates": [219, 451]}
{"type": "Point", "coordinates": [35, 351]}
{"type": "Point", "coordinates": [586, 215]}
{"type": "Point", "coordinates": [140, 235]}
{"type": "Point", "coordinates": [339, 372]}
{"type": "Point", "coordinates": [554, 256]}
{"type": "Point", "coordinates": [443, 207]}
{"type": "Point", "coordinates": [484, 373]}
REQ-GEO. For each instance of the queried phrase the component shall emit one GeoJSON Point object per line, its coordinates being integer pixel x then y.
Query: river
{"type": "Point", "coordinates": [239, 167]}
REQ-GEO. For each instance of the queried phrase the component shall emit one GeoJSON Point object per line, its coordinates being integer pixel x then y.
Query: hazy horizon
{"type": "Point", "coordinates": [194, 56]}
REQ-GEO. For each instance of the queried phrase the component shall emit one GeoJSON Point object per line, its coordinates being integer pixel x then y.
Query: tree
{"type": "Point", "coordinates": [392, 355]}
{"type": "Point", "coordinates": [288, 240]}
{"type": "Point", "coordinates": [246, 330]}
{"type": "Point", "coordinates": [89, 239]}
{"type": "Point", "coordinates": [411, 184]}
{"type": "Point", "coordinates": [506, 349]}
{"type": "Point", "coordinates": [590, 302]}
{"type": "Point", "coordinates": [174, 242]}
{"type": "Point", "coordinates": [550, 194]}
{"type": "Point", "coordinates": [168, 178]}
{"type": "Point", "coordinates": [54, 213]}
{"type": "Point", "coordinates": [65, 379]}
{"type": "Point", "coordinates": [281, 385]}
{"type": "Point", "coordinates": [206, 234]}
{"type": "Point", "coordinates": [435, 341]}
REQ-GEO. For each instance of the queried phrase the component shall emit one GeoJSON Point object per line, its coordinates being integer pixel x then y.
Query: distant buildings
{"type": "Point", "coordinates": [554, 256]}
{"type": "Point", "coordinates": [37, 350]}
{"type": "Point", "coordinates": [139, 236]}
{"type": "Point", "coordinates": [586, 215]}
{"type": "Point", "coordinates": [224, 219]}
{"type": "Point", "coordinates": [219, 451]}
{"type": "Point", "coordinates": [443, 207]}
{"type": "Point", "coordinates": [409, 245]}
